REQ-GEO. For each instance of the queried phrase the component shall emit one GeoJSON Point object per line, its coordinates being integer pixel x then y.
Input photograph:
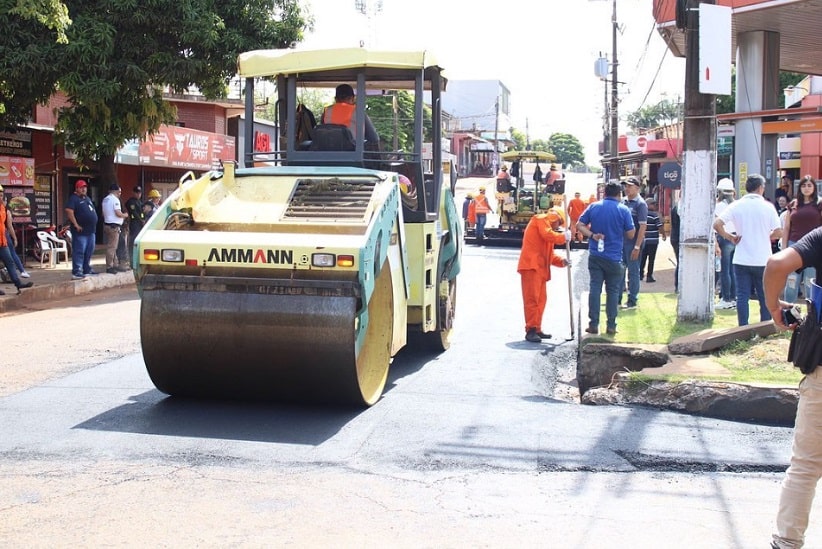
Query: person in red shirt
{"type": "Point", "coordinates": [534, 267]}
{"type": "Point", "coordinates": [575, 208]}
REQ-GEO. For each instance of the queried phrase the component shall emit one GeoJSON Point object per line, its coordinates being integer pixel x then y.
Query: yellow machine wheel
{"type": "Point", "coordinates": [233, 339]}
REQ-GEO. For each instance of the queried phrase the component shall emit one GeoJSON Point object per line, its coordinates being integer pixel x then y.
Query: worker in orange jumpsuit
{"type": "Point", "coordinates": [575, 208]}
{"type": "Point", "coordinates": [534, 267]}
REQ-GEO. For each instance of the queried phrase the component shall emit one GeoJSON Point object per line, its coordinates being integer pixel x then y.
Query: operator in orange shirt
{"type": "Point", "coordinates": [575, 208]}
{"type": "Point", "coordinates": [534, 267]}
{"type": "Point", "coordinates": [342, 112]}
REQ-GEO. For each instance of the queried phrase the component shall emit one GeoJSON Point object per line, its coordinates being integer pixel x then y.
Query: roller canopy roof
{"type": "Point", "coordinates": [383, 69]}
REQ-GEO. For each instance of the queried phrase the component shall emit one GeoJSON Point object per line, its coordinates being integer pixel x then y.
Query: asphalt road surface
{"type": "Point", "coordinates": [481, 446]}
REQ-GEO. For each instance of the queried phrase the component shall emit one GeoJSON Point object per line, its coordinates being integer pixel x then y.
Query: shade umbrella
{"type": "Point", "coordinates": [528, 155]}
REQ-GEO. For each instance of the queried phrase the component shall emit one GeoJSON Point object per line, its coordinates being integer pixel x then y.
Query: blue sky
{"type": "Point", "coordinates": [546, 60]}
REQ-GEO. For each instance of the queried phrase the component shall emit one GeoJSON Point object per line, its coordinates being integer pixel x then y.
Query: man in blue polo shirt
{"type": "Point", "coordinates": [632, 246]}
{"type": "Point", "coordinates": [606, 224]}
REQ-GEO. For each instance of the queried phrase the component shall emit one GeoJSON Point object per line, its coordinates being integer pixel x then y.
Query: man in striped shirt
{"type": "Point", "coordinates": [653, 232]}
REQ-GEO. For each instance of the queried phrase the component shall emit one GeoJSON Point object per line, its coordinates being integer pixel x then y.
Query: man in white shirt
{"type": "Point", "coordinates": [756, 224]}
{"type": "Point", "coordinates": [113, 218]}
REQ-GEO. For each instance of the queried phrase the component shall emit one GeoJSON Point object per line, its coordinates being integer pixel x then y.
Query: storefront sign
{"type": "Point", "coordinates": [670, 175]}
{"type": "Point", "coordinates": [16, 143]}
{"type": "Point", "coordinates": [175, 147]}
{"type": "Point", "coordinates": [17, 179]}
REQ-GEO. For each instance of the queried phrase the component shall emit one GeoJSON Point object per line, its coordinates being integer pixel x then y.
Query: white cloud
{"type": "Point", "coordinates": [546, 58]}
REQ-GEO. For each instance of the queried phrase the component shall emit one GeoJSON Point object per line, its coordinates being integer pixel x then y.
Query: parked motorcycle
{"type": "Point", "coordinates": [27, 240]}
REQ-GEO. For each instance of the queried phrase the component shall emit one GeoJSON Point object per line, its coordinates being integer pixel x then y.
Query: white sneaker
{"type": "Point", "coordinates": [25, 274]}
{"type": "Point", "coordinates": [725, 304]}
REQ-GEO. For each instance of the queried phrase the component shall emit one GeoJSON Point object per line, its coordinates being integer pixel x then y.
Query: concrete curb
{"type": "Point", "coordinates": [64, 289]}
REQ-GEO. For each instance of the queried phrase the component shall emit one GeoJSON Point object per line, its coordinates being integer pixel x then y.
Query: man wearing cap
{"type": "Point", "coordinates": [7, 228]}
{"type": "Point", "coordinates": [481, 210]}
{"type": "Point", "coordinates": [113, 219]}
{"type": "Point", "coordinates": [83, 218]}
{"type": "Point", "coordinates": [632, 247]}
{"type": "Point", "coordinates": [136, 218]}
{"type": "Point", "coordinates": [606, 224]}
{"type": "Point", "coordinates": [343, 112]}
{"type": "Point", "coordinates": [534, 267]}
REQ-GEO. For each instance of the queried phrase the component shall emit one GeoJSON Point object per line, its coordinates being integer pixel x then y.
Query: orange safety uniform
{"type": "Point", "coordinates": [534, 265]}
{"type": "Point", "coordinates": [3, 220]}
{"type": "Point", "coordinates": [472, 212]}
{"type": "Point", "coordinates": [481, 205]}
{"type": "Point", "coordinates": [575, 208]}
{"type": "Point", "coordinates": [342, 114]}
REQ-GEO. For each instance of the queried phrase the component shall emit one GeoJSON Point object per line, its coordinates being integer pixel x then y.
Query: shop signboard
{"type": "Point", "coordinates": [670, 175]}
{"type": "Point", "coordinates": [17, 179]}
{"type": "Point", "coordinates": [177, 147]}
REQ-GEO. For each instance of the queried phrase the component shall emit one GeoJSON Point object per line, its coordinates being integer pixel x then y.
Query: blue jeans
{"type": "Point", "coordinates": [610, 273]}
{"type": "Point", "coordinates": [632, 270]}
{"type": "Point", "coordinates": [802, 279]}
{"type": "Point", "coordinates": [727, 280]}
{"type": "Point", "coordinates": [749, 278]}
{"type": "Point", "coordinates": [82, 248]}
{"type": "Point", "coordinates": [5, 258]}
{"type": "Point", "coordinates": [480, 231]}
{"type": "Point", "coordinates": [17, 261]}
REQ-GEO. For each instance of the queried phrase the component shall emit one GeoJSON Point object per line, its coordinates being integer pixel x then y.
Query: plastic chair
{"type": "Point", "coordinates": [46, 249]}
{"type": "Point", "coordinates": [58, 246]}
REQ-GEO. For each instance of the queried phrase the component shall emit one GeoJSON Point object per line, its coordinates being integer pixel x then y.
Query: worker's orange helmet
{"type": "Point", "coordinates": [553, 217]}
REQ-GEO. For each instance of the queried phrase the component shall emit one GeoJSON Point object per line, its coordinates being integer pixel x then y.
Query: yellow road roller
{"type": "Point", "coordinates": [298, 276]}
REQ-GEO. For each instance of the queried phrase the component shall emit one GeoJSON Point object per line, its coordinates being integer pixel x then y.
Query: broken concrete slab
{"type": "Point", "coordinates": [706, 341]}
{"type": "Point", "coordinates": [732, 401]}
{"type": "Point", "coordinates": [599, 362]}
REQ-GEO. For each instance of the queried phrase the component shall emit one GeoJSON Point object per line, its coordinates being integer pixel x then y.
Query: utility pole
{"type": "Point", "coordinates": [613, 170]}
{"type": "Point", "coordinates": [496, 135]}
{"type": "Point", "coordinates": [696, 254]}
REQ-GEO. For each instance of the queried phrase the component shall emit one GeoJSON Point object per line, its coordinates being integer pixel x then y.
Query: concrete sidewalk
{"type": "Point", "coordinates": [52, 283]}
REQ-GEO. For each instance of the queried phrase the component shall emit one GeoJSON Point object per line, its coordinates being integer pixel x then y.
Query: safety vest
{"type": "Point", "coordinates": [3, 241]}
{"type": "Point", "coordinates": [342, 114]}
{"type": "Point", "coordinates": [482, 206]}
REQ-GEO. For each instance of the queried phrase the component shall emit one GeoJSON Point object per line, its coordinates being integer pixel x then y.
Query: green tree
{"type": "Point", "coordinates": [33, 32]}
{"type": "Point", "coordinates": [727, 103]}
{"type": "Point", "coordinates": [121, 55]}
{"type": "Point", "coordinates": [567, 149]}
{"type": "Point", "coordinates": [518, 138]}
{"type": "Point", "coordinates": [381, 113]}
{"type": "Point", "coordinates": [646, 118]}
{"type": "Point", "coordinates": [541, 145]}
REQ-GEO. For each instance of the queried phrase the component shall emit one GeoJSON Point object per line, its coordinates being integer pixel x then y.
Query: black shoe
{"type": "Point", "coordinates": [25, 285]}
{"type": "Point", "coordinates": [2, 292]}
{"type": "Point", "coordinates": [592, 330]}
{"type": "Point", "coordinates": [532, 336]}
{"type": "Point", "coordinates": [611, 331]}
{"type": "Point", "coordinates": [650, 279]}
{"type": "Point", "coordinates": [123, 269]}
{"type": "Point", "coordinates": [111, 271]}
{"type": "Point", "coordinates": [543, 335]}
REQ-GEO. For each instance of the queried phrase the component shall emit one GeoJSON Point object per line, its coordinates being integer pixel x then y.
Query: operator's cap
{"type": "Point", "coordinates": [80, 184]}
{"type": "Point", "coordinates": [482, 189]}
{"type": "Point", "coordinates": [138, 189]}
{"type": "Point", "coordinates": [631, 181]}
{"type": "Point", "coordinates": [504, 168]}
{"type": "Point", "coordinates": [114, 187]}
{"type": "Point", "coordinates": [469, 195]}
{"type": "Point", "coordinates": [154, 193]}
{"type": "Point", "coordinates": [553, 167]}
{"type": "Point", "coordinates": [553, 217]}
{"type": "Point", "coordinates": [344, 91]}
{"type": "Point", "coordinates": [577, 194]}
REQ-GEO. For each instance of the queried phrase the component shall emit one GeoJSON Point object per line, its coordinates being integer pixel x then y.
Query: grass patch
{"type": "Point", "coordinates": [760, 360]}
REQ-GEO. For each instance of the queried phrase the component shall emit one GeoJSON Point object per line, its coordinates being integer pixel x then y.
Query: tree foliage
{"type": "Point", "coordinates": [664, 113]}
{"type": "Point", "coordinates": [567, 149]}
{"type": "Point", "coordinates": [121, 55]}
{"type": "Point", "coordinates": [53, 14]}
